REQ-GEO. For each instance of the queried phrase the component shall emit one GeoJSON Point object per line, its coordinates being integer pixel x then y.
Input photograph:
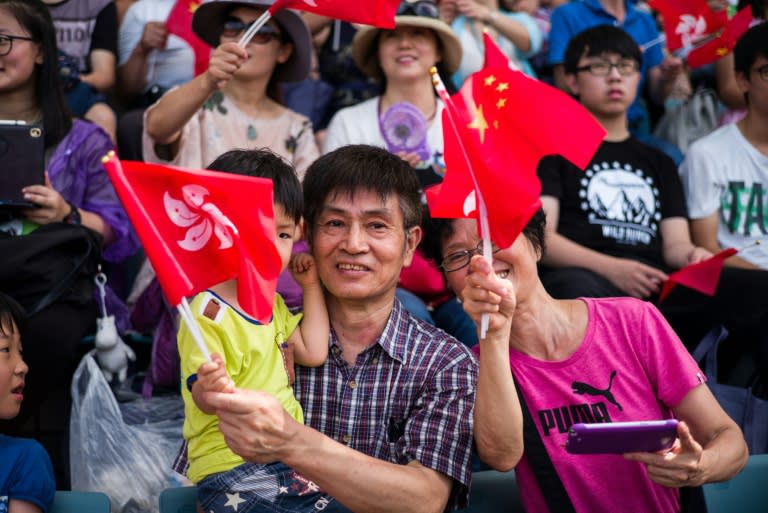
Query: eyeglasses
{"type": "Point", "coordinates": [6, 43]}
{"type": "Point", "coordinates": [625, 67]}
{"type": "Point", "coordinates": [762, 71]}
{"type": "Point", "coordinates": [235, 27]}
{"type": "Point", "coordinates": [460, 259]}
{"type": "Point", "coordinates": [419, 8]}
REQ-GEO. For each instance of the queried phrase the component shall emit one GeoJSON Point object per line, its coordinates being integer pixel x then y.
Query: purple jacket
{"type": "Point", "coordinates": [76, 172]}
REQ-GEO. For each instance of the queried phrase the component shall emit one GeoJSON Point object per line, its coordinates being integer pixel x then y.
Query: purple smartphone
{"type": "Point", "coordinates": [621, 437]}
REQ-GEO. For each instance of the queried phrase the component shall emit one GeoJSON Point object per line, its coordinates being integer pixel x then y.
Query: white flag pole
{"type": "Point", "coordinates": [186, 313]}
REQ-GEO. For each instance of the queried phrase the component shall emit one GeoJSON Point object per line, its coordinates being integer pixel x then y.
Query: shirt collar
{"type": "Point", "coordinates": [595, 5]}
{"type": "Point", "coordinates": [392, 339]}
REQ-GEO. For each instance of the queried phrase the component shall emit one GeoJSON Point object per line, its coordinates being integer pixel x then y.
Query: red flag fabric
{"type": "Point", "coordinates": [687, 22]}
{"type": "Point", "coordinates": [505, 124]}
{"type": "Point", "coordinates": [723, 44]}
{"type": "Point", "coordinates": [179, 23]}
{"type": "Point", "coordinates": [702, 276]}
{"type": "Point", "coordinates": [379, 13]}
{"type": "Point", "coordinates": [199, 228]}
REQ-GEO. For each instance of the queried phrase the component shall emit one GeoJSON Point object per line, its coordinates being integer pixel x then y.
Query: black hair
{"type": "Point", "coordinates": [11, 314]}
{"type": "Point", "coordinates": [35, 18]}
{"type": "Point", "coordinates": [264, 163]}
{"type": "Point", "coordinates": [360, 167]}
{"type": "Point", "coordinates": [438, 230]}
{"type": "Point", "coordinates": [751, 45]}
{"type": "Point", "coordinates": [600, 40]}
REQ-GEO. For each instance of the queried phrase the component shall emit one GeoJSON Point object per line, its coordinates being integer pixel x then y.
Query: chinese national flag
{"type": "Point", "coordinates": [721, 45]}
{"type": "Point", "coordinates": [200, 228]}
{"type": "Point", "coordinates": [687, 22]}
{"type": "Point", "coordinates": [702, 276]}
{"type": "Point", "coordinates": [179, 23]}
{"type": "Point", "coordinates": [507, 122]}
{"type": "Point", "coordinates": [379, 13]}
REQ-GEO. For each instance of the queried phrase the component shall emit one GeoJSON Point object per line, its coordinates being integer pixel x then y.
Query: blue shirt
{"type": "Point", "coordinates": [574, 17]}
{"type": "Point", "coordinates": [26, 473]}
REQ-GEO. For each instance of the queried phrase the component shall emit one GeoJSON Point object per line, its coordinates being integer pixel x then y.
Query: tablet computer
{"type": "Point", "coordinates": [621, 437]}
{"type": "Point", "coordinates": [22, 161]}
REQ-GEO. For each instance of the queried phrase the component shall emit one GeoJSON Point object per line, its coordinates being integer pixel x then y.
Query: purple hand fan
{"type": "Point", "coordinates": [405, 129]}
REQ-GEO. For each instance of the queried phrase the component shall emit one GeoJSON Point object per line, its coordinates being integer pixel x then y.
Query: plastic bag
{"type": "Point", "coordinates": [125, 451]}
{"type": "Point", "coordinates": [690, 121]}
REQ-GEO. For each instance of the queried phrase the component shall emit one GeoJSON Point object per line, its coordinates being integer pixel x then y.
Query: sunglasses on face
{"type": "Point", "coordinates": [235, 27]}
{"type": "Point", "coordinates": [419, 8]}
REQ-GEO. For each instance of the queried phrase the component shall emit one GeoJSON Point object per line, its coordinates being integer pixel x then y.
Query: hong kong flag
{"type": "Point", "coordinates": [687, 22]}
{"type": "Point", "coordinates": [380, 13]}
{"type": "Point", "coordinates": [723, 44]}
{"type": "Point", "coordinates": [179, 23]}
{"type": "Point", "coordinates": [505, 126]}
{"type": "Point", "coordinates": [200, 228]}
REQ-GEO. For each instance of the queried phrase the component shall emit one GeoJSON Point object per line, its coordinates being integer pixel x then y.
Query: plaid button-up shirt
{"type": "Point", "coordinates": [410, 396]}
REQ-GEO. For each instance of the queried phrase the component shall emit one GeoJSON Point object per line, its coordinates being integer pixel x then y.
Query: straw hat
{"type": "Point", "coordinates": [365, 43]}
{"type": "Point", "coordinates": [209, 17]}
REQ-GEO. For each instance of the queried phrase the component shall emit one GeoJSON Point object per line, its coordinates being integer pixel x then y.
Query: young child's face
{"type": "Point", "coordinates": [609, 86]}
{"type": "Point", "coordinates": [13, 370]}
{"type": "Point", "coordinates": [287, 233]}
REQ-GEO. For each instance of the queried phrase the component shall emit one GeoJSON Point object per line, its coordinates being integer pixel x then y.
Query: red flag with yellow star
{"type": "Point", "coordinates": [379, 13]}
{"type": "Point", "coordinates": [179, 23]}
{"type": "Point", "coordinates": [723, 44]}
{"type": "Point", "coordinates": [507, 122]}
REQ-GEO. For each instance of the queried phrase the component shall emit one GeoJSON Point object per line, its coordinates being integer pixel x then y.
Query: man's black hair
{"type": "Point", "coordinates": [751, 45]}
{"type": "Point", "coordinates": [600, 40]}
{"type": "Point", "coordinates": [360, 167]}
{"type": "Point", "coordinates": [264, 163]}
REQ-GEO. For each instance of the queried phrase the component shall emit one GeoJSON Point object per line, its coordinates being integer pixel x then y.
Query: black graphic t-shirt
{"type": "Point", "coordinates": [616, 205]}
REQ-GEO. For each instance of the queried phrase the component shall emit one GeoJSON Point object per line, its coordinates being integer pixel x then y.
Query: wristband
{"type": "Point", "coordinates": [74, 215]}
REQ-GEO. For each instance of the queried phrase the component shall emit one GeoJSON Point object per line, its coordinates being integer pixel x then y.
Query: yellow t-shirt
{"type": "Point", "coordinates": [251, 352]}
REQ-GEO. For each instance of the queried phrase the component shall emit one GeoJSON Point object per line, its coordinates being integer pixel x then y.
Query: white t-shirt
{"type": "Point", "coordinates": [724, 172]}
{"type": "Point", "coordinates": [359, 124]}
{"type": "Point", "coordinates": [167, 68]}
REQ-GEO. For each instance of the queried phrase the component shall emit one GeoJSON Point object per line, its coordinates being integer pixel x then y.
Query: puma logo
{"type": "Point", "coordinates": [585, 388]}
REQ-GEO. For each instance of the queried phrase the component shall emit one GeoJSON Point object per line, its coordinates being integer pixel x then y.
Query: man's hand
{"type": "Point", "coordinates": [679, 466]}
{"type": "Point", "coordinates": [635, 278]}
{"type": "Point", "coordinates": [254, 424]}
{"type": "Point", "coordinates": [51, 206]}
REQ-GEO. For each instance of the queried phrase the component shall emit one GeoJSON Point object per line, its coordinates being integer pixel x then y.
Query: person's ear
{"type": "Point", "coordinates": [413, 236]}
{"type": "Point", "coordinates": [284, 53]}
{"type": "Point", "coordinates": [572, 83]}
{"type": "Point", "coordinates": [742, 81]}
{"type": "Point", "coordinates": [39, 57]}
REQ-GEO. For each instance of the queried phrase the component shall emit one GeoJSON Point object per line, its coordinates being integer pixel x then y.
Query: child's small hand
{"type": "Point", "coordinates": [303, 269]}
{"type": "Point", "coordinates": [212, 376]}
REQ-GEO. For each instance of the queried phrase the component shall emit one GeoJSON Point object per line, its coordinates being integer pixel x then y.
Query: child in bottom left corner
{"type": "Point", "coordinates": [27, 484]}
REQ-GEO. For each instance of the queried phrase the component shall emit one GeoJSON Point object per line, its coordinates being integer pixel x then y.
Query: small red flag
{"type": "Point", "coordinates": [702, 276]}
{"type": "Point", "coordinates": [687, 22]}
{"type": "Point", "coordinates": [179, 22]}
{"type": "Point", "coordinates": [505, 122]}
{"type": "Point", "coordinates": [200, 228]}
{"type": "Point", "coordinates": [379, 13]}
{"type": "Point", "coordinates": [723, 44]}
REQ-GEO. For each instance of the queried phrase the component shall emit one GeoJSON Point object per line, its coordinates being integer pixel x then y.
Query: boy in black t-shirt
{"type": "Point", "coordinates": [619, 227]}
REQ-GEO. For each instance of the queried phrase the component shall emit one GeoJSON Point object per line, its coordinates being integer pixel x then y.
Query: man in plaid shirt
{"type": "Point", "coordinates": [389, 414]}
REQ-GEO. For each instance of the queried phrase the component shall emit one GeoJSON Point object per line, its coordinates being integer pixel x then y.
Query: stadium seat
{"type": "Point", "coordinates": [745, 493]}
{"type": "Point", "coordinates": [178, 500]}
{"type": "Point", "coordinates": [80, 502]}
